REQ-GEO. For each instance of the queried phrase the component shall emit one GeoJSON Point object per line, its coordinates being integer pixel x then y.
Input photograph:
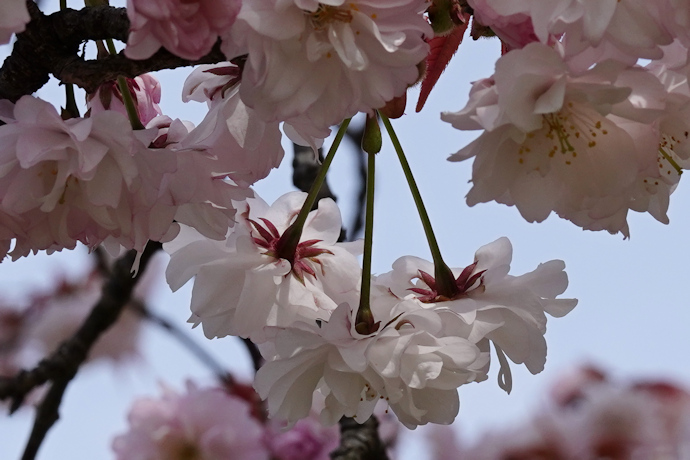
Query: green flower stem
{"type": "Point", "coordinates": [364, 322]}
{"type": "Point", "coordinates": [290, 238]}
{"type": "Point", "coordinates": [126, 95]}
{"type": "Point", "coordinates": [445, 281]}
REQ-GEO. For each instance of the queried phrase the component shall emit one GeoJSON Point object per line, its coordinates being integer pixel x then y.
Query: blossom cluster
{"type": "Point", "coordinates": [126, 173]}
{"type": "Point", "coordinates": [300, 307]}
{"type": "Point", "coordinates": [573, 122]}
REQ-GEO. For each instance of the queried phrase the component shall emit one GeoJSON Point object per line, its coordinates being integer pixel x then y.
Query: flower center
{"type": "Point", "coordinates": [564, 134]}
{"type": "Point", "coordinates": [305, 254]}
{"type": "Point", "coordinates": [326, 14]}
{"type": "Point", "coordinates": [464, 283]}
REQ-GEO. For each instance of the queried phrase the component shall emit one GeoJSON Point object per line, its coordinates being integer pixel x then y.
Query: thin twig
{"type": "Point", "coordinates": [185, 340]}
{"type": "Point", "coordinates": [254, 352]}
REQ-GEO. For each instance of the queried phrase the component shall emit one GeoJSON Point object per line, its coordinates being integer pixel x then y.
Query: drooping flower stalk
{"type": "Point", "coordinates": [290, 239]}
{"type": "Point", "coordinates": [126, 95]}
{"type": "Point", "coordinates": [364, 322]}
{"type": "Point", "coordinates": [445, 282]}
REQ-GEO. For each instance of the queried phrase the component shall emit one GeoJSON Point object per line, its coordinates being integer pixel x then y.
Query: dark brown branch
{"type": "Point", "coordinates": [63, 364]}
{"type": "Point", "coordinates": [50, 45]}
{"type": "Point", "coordinates": [254, 353]}
{"type": "Point", "coordinates": [47, 413]}
{"type": "Point", "coordinates": [90, 74]}
{"type": "Point", "coordinates": [359, 442]}
{"type": "Point", "coordinates": [356, 227]}
{"type": "Point", "coordinates": [305, 168]}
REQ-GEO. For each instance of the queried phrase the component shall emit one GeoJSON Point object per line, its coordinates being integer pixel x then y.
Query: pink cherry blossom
{"type": "Point", "coordinates": [145, 90]}
{"type": "Point", "coordinates": [577, 143]}
{"type": "Point", "coordinates": [13, 19]}
{"type": "Point", "coordinates": [313, 64]}
{"type": "Point", "coordinates": [96, 181]}
{"type": "Point", "coordinates": [266, 289]}
{"type": "Point", "coordinates": [79, 180]}
{"type": "Point", "coordinates": [188, 29]}
{"type": "Point", "coordinates": [600, 418]}
{"type": "Point", "coordinates": [515, 30]}
{"type": "Point", "coordinates": [200, 423]}
{"type": "Point", "coordinates": [307, 440]}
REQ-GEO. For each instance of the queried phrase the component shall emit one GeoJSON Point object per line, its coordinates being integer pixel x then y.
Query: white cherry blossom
{"type": "Point", "coordinates": [412, 363]}
{"type": "Point", "coordinates": [507, 310]}
{"type": "Point", "coordinates": [245, 147]}
{"type": "Point", "coordinates": [243, 283]}
{"type": "Point", "coordinates": [314, 64]}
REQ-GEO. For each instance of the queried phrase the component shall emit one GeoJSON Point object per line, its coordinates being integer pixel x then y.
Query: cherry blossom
{"type": "Point", "coordinates": [200, 423]}
{"type": "Point", "coordinates": [79, 180]}
{"type": "Point", "coordinates": [507, 310]}
{"type": "Point", "coordinates": [514, 29]}
{"type": "Point", "coordinates": [145, 90]}
{"type": "Point", "coordinates": [96, 181]}
{"type": "Point", "coordinates": [244, 146]}
{"type": "Point", "coordinates": [13, 19]}
{"type": "Point", "coordinates": [601, 418]}
{"type": "Point", "coordinates": [314, 64]}
{"type": "Point", "coordinates": [307, 440]}
{"type": "Point", "coordinates": [579, 144]}
{"type": "Point", "coordinates": [266, 289]}
{"type": "Point", "coordinates": [413, 363]}
{"type": "Point", "coordinates": [188, 29]}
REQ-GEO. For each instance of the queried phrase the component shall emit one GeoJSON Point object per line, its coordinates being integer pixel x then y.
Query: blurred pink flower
{"type": "Point", "coordinates": [188, 29]}
{"type": "Point", "coordinates": [207, 424]}
{"type": "Point", "coordinates": [307, 440]}
{"type": "Point", "coordinates": [13, 19]}
{"type": "Point", "coordinates": [145, 90]}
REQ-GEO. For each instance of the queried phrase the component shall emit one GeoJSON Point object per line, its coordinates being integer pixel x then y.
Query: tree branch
{"type": "Point", "coordinates": [50, 45]}
{"type": "Point", "coordinates": [359, 442]}
{"type": "Point", "coordinates": [63, 364]}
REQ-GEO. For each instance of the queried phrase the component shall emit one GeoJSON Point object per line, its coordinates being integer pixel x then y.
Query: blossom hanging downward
{"type": "Point", "coordinates": [414, 363]}
{"type": "Point", "coordinates": [247, 282]}
{"type": "Point", "coordinates": [507, 310]}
